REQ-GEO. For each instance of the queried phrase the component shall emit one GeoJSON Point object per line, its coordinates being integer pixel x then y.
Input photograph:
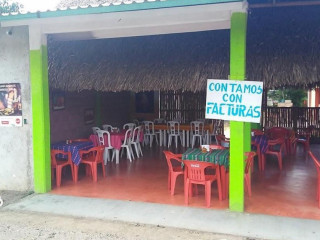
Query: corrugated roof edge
{"type": "Point", "coordinates": [107, 8]}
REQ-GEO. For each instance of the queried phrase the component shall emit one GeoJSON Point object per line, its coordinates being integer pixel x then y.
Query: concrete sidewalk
{"type": "Point", "coordinates": [208, 220]}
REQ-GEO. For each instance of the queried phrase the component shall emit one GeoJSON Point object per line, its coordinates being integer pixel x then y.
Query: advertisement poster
{"type": "Point", "coordinates": [10, 104]}
{"type": "Point", "coordinates": [234, 100]}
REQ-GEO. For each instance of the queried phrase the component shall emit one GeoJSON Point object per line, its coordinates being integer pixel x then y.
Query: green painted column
{"type": "Point", "coordinates": [41, 119]}
{"type": "Point", "coordinates": [239, 131]}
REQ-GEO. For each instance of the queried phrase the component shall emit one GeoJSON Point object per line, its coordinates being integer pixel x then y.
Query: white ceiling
{"type": "Point", "coordinates": [136, 23]}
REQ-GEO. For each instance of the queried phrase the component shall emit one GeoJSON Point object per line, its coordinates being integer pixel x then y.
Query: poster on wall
{"type": "Point", "coordinates": [10, 104]}
{"type": "Point", "coordinates": [234, 100]}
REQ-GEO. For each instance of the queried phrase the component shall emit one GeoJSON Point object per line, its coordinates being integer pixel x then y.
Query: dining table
{"type": "Point", "coordinates": [74, 148]}
{"type": "Point", "coordinates": [116, 139]}
{"type": "Point", "coordinates": [260, 143]}
{"type": "Point", "coordinates": [215, 156]}
{"type": "Point", "coordinates": [185, 128]}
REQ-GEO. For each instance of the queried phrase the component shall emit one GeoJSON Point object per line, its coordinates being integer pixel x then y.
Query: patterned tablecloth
{"type": "Point", "coordinates": [217, 156]}
{"type": "Point", "coordinates": [262, 140]}
{"type": "Point", "coordinates": [74, 148]}
{"type": "Point", "coordinates": [116, 139]}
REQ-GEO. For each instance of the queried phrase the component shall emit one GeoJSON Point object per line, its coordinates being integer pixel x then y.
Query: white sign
{"type": "Point", "coordinates": [10, 121]}
{"type": "Point", "coordinates": [234, 100]}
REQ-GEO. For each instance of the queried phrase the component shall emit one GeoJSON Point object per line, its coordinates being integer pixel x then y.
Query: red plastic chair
{"type": "Point", "coordinates": [92, 158]}
{"type": "Point", "coordinates": [303, 137]}
{"type": "Point", "coordinates": [247, 173]}
{"type": "Point", "coordinates": [257, 132]}
{"type": "Point", "coordinates": [317, 164]}
{"type": "Point", "coordinates": [280, 132]}
{"type": "Point", "coordinates": [174, 164]}
{"type": "Point", "coordinates": [272, 151]}
{"type": "Point", "coordinates": [59, 164]}
{"type": "Point", "coordinates": [259, 154]}
{"type": "Point", "coordinates": [196, 175]}
{"type": "Point", "coordinates": [277, 132]}
{"type": "Point", "coordinates": [293, 143]}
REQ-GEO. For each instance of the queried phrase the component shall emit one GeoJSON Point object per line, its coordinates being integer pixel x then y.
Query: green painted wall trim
{"type": "Point", "coordinates": [41, 119]}
{"type": "Point", "coordinates": [115, 8]}
{"type": "Point", "coordinates": [98, 110]}
{"type": "Point", "coordinates": [239, 131]}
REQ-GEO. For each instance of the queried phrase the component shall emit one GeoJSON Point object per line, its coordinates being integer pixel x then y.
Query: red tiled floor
{"type": "Point", "coordinates": [291, 192]}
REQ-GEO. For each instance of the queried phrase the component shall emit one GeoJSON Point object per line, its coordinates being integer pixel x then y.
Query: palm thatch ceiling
{"type": "Point", "coordinates": [283, 46]}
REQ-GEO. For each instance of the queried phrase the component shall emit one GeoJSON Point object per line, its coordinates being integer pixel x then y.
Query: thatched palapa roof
{"type": "Point", "coordinates": [283, 46]}
{"type": "Point", "coordinates": [282, 50]}
{"type": "Point", "coordinates": [140, 64]}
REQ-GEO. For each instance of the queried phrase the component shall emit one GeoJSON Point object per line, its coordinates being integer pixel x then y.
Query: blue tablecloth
{"type": "Point", "coordinates": [74, 148]}
{"type": "Point", "coordinates": [262, 140]}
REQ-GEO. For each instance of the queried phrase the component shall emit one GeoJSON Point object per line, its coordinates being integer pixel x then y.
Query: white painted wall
{"type": "Point", "coordinates": [16, 154]}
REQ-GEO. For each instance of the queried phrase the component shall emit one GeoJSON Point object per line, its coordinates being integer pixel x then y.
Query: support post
{"type": "Point", "coordinates": [40, 110]}
{"type": "Point", "coordinates": [239, 131]}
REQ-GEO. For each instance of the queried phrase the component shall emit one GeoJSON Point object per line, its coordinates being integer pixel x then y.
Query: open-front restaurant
{"type": "Point", "coordinates": [116, 104]}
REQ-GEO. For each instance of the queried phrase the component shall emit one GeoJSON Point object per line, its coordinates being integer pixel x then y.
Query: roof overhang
{"type": "Point", "coordinates": [135, 23]}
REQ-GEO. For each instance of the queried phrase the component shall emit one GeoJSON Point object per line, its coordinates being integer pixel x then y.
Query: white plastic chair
{"type": "Point", "coordinates": [127, 144]}
{"type": "Point", "coordinates": [94, 130]}
{"type": "Point", "coordinates": [107, 145]}
{"type": "Point", "coordinates": [136, 140]}
{"type": "Point", "coordinates": [136, 122]}
{"type": "Point", "coordinates": [129, 126]}
{"type": "Point", "coordinates": [197, 131]}
{"type": "Point", "coordinates": [149, 132]}
{"type": "Point", "coordinates": [107, 127]}
{"type": "Point", "coordinates": [174, 131]}
{"type": "Point", "coordinates": [214, 131]}
{"type": "Point", "coordinates": [159, 132]}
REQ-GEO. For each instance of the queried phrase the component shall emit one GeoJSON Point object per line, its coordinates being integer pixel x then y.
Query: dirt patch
{"type": "Point", "coordinates": [30, 225]}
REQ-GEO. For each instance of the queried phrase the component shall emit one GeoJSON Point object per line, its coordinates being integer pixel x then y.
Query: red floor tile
{"type": "Point", "coordinates": [291, 192]}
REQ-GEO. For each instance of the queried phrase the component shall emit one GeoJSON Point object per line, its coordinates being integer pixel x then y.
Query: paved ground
{"type": "Point", "coordinates": [9, 197]}
{"type": "Point", "coordinates": [48, 216]}
{"type": "Point", "coordinates": [32, 225]}
{"type": "Point", "coordinates": [19, 225]}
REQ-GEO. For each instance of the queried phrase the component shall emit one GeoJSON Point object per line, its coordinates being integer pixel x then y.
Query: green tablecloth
{"type": "Point", "coordinates": [218, 156]}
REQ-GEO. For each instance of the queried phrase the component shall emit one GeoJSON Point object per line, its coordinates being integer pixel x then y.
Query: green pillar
{"type": "Point", "coordinates": [239, 131]}
{"type": "Point", "coordinates": [40, 119]}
